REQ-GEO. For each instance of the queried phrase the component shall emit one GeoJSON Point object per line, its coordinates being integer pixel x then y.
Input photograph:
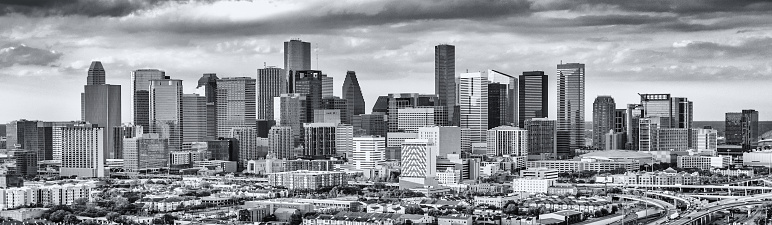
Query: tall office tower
{"type": "Point", "coordinates": [236, 105]}
{"type": "Point", "coordinates": [344, 140]}
{"type": "Point", "coordinates": [398, 101]}
{"type": "Point", "coordinates": [288, 112]}
{"type": "Point", "coordinates": [102, 105]}
{"type": "Point", "coordinates": [473, 104]}
{"type": "Point", "coordinates": [96, 74]}
{"type": "Point", "coordinates": [336, 103]}
{"type": "Point", "coordinates": [319, 139]}
{"type": "Point", "coordinates": [83, 152]}
{"type": "Point", "coordinates": [149, 151]}
{"type": "Point", "coordinates": [742, 128]}
{"type": "Point", "coordinates": [533, 95]}
{"type": "Point", "coordinates": [507, 140]}
{"type": "Point", "coordinates": [355, 103]}
{"type": "Point", "coordinates": [370, 124]}
{"type": "Point", "coordinates": [26, 162]}
{"type": "Point", "coordinates": [281, 142]}
{"type": "Point", "coordinates": [207, 85]}
{"type": "Point", "coordinates": [140, 95]}
{"type": "Point", "coordinates": [445, 77]}
{"type": "Point", "coordinates": [327, 116]}
{"type": "Point", "coordinates": [674, 112]}
{"type": "Point", "coordinates": [309, 84]}
{"type": "Point", "coordinates": [542, 138]}
{"type": "Point", "coordinates": [410, 119]}
{"type": "Point", "coordinates": [447, 139]}
{"type": "Point", "coordinates": [648, 128]}
{"type": "Point", "coordinates": [671, 139]}
{"type": "Point", "coordinates": [21, 134]}
{"type": "Point", "coordinates": [570, 119]}
{"type": "Point", "coordinates": [497, 104]}
{"type": "Point", "coordinates": [603, 115]}
{"type": "Point", "coordinates": [419, 163]}
{"type": "Point", "coordinates": [634, 113]}
{"type": "Point", "coordinates": [620, 120]}
{"type": "Point", "coordinates": [193, 118]}
{"type": "Point", "coordinates": [704, 139]}
{"type": "Point", "coordinates": [248, 143]}
{"type": "Point", "coordinates": [368, 152]}
{"type": "Point", "coordinates": [166, 111]}
{"type": "Point", "coordinates": [121, 132]}
{"type": "Point", "coordinates": [381, 105]}
{"type": "Point", "coordinates": [297, 56]}
{"type": "Point", "coordinates": [327, 86]}
{"type": "Point", "coordinates": [270, 83]}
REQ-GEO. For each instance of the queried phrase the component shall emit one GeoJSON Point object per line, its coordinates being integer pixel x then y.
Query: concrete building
{"type": "Point", "coordinates": [289, 111]}
{"type": "Point", "coordinates": [150, 151]}
{"type": "Point", "coordinates": [140, 95]}
{"type": "Point", "coordinates": [101, 105]}
{"type": "Point", "coordinates": [410, 119]}
{"type": "Point", "coordinates": [166, 111]}
{"type": "Point", "coordinates": [83, 152]}
{"type": "Point", "coordinates": [280, 142]}
{"type": "Point", "coordinates": [368, 152]}
{"type": "Point", "coordinates": [447, 139]}
{"type": "Point", "coordinates": [419, 163]}
{"type": "Point", "coordinates": [531, 185]}
{"type": "Point", "coordinates": [271, 82]}
{"type": "Point", "coordinates": [327, 139]}
{"type": "Point", "coordinates": [703, 162]}
{"type": "Point", "coordinates": [304, 179]}
{"type": "Point", "coordinates": [603, 115]}
{"type": "Point", "coordinates": [506, 140]}
{"type": "Point", "coordinates": [236, 104]}
{"type": "Point", "coordinates": [370, 124]}
{"type": "Point", "coordinates": [394, 142]}
{"type": "Point", "coordinates": [540, 173]}
{"type": "Point", "coordinates": [473, 104]}
{"type": "Point", "coordinates": [193, 118]}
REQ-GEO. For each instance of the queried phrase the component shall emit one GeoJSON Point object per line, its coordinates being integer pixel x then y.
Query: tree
{"type": "Point", "coordinates": [269, 218]}
{"type": "Point", "coordinates": [414, 210]}
{"type": "Point", "coordinates": [296, 219]}
{"type": "Point", "coordinates": [598, 214]}
{"type": "Point", "coordinates": [604, 212]}
{"type": "Point", "coordinates": [112, 216]}
{"type": "Point", "coordinates": [71, 219]}
{"type": "Point", "coordinates": [58, 216]}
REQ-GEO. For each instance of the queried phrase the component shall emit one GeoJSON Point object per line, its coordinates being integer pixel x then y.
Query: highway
{"type": "Point", "coordinates": [687, 219]}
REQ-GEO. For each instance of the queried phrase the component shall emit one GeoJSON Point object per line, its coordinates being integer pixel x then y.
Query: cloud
{"type": "Point", "coordinates": [25, 55]}
{"type": "Point", "coordinates": [88, 8]}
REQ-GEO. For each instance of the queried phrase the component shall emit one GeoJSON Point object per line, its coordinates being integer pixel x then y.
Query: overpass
{"type": "Point", "coordinates": [705, 216]}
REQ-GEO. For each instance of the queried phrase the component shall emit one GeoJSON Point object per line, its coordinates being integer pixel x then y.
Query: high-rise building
{"type": "Point", "coordinates": [381, 105]}
{"type": "Point", "coordinates": [473, 104]}
{"type": "Point", "coordinates": [447, 139]}
{"type": "Point", "coordinates": [742, 128]}
{"type": "Point", "coordinates": [309, 84]}
{"type": "Point", "coordinates": [497, 104]}
{"type": "Point", "coordinates": [411, 119]}
{"type": "Point", "coordinates": [419, 163]}
{"type": "Point", "coordinates": [620, 120]}
{"type": "Point", "coordinates": [319, 139]}
{"type": "Point", "coordinates": [507, 140]}
{"type": "Point", "coordinates": [394, 102]}
{"type": "Point", "coordinates": [236, 106]}
{"type": "Point", "coordinates": [121, 132]}
{"type": "Point", "coordinates": [648, 128]}
{"type": "Point", "coordinates": [328, 86]}
{"type": "Point", "coordinates": [207, 86]}
{"type": "Point", "coordinates": [445, 77]}
{"type": "Point", "coordinates": [83, 153]}
{"type": "Point", "coordinates": [281, 142]}
{"type": "Point", "coordinates": [289, 111]}
{"type": "Point", "coordinates": [533, 94]}
{"type": "Point", "coordinates": [149, 151]}
{"type": "Point", "coordinates": [271, 82]}
{"type": "Point", "coordinates": [570, 119]}
{"type": "Point", "coordinates": [374, 124]}
{"type": "Point", "coordinates": [166, 111]}
{"type": "Point", "coordinates": [193, 118]}
{"type": "Point", "coordinates": [336, 103]}
{"type": "Point", "coordinates": [603, 115]}
{"type": "Point", "coordinates": [22, 134]}
{"type": "Point", "coordinates": [140, 95]}
{"type": "Point", "coordinates": [634, 113]}
{"type": "Point", "coordinates": [355, 103]}
{"type": "Point", "coordinates": [344, 140]}
{"type": "Point", "coordinates": [249, 145]}
{"type": "Point", "coordinates": [226, 149]}
{"type": "Point", "coordinates": [674, 112]}
{"type": "Point", "coordinates": [394, 142]}
{"type": "Point", "coordinates": [297, 56]}
{"type": "Point", "coordinates": [26, 162]}
{"type": "Point", "coordinates": [368, 152]}
{"type": "Point", "coordinates": [101, 105]}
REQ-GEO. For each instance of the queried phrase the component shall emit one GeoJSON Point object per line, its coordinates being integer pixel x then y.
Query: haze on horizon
{"type": "Point", "coordinates": [714, 52]}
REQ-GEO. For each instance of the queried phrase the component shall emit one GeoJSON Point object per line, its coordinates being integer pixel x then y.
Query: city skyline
{"type": "Point", "coordinates": [630, 49]}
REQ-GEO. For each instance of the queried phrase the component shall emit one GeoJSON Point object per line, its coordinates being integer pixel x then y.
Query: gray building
{"type": "Point", "coordinates": [140, 95]}
{"type": "Point", "coordinates": [374, 124]}
{"type": "Point", "coordinates": [542, 138]}
{"type": "Point", "coordinates": [270, 83]}
{"type": "Point", "coordinates": [603, 114]}
{"type": "Point", "coordinates": [533, 96]}
{"type": "Point", "coordinates": [208, 85]}
{"type": "Point", "coordinates": [570, 121]}
{"type": "Point", "coordinates": [297, 56]}
{"type": "Point", "coordinates": [742, 128]}
{"type": "Point", "coordinates": [445, 78]}
{"type": "Point", "coordinates": [355, 103]}
{"type": "Point", "coordinates": [236, 104]}
{"type": "Point", "coordinates": [166, 111]}
{"type": "Point", "coordinates": [194, 125]}
{"type": "Point", "coordinates": [309, 84]}
{"type": "Point", "coordinates": [149, 151]}
{"type": "Point", "coordinates": [101, 105]}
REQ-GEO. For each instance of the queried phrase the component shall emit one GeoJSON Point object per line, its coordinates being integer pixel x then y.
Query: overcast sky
{"type": "Point", "coordinates": [716, 53]}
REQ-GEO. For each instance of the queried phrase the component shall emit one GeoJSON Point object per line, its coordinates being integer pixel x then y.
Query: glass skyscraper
{"type": "Point", "coordinates": [533, 94]}
{"type": "Point", "coordinates": [570, 121]}
{"type": "Point", "coordinates": [270, 84]}
{"type": "Point", "coordinates": [473, 104]}
{"type": "Point", "coordinates": [236, 104]}
{"type": "Point", "coordinates": [140, 95]}
{"type": "Point", "coordinates": [445, 77]}
{"type": "Point", "coordinates": [603, 114]}
{"type": "Point", "coordinates": [355, 103]}
{"type": "Point", "coordinates": [166, 111]}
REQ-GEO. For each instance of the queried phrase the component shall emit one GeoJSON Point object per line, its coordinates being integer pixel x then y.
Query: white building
{"type": "Point", "coordinates": [473, 104]}
{"type": "Point", "coordinates": [280, 142]}
{"type": "Point", "coordinates": [410, 119]}
{"type": "Point", "coordinates": [447, 139]}
{"type": "Point", "coordinates": [758, 158]}
{"type": "Point", "coordinates": [368, 152]}
{"type": "Point", "coordinates": [507, 140]}
{"type": "Point", "coordinates": [703, 162]}
{"type": "Point", "coordinates": [531, 185]}
{"type": "Point", "coordinates": [83, 153]}
{"type": "Point", "coordinates": [449, 176]}
{"type": "Point", "coordinates": [419, 163]}
{"type": "Point", "coordinates": [540, 173]}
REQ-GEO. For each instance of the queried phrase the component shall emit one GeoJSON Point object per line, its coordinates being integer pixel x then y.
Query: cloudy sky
{"type": "Point", "coordinates": [716, 53]}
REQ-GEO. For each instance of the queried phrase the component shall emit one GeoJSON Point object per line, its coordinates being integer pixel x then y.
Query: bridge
{"type": "Point", "coordinates": [705, 216]}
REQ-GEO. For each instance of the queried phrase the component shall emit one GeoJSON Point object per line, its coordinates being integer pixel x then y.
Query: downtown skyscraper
{"type": "Point", "coordinates": [533, 94]}
{"type": "Point", "coordinates": [207, 86]}
{"type": "Point", "coordinates": [236, 102]}
{"type": "Point", "coordinates": [355, 103]}
{"type": "Point", "coordinates": [603, 115]}
{"type": "Point", "coordinates": [270, 84]}
{"type": "Point", "coordinates": [297, 56]}
{"type": "Point", "coordinates": [473, 104]}
{"type": "Point", "coordinates": [140, 95]}
{"type": "Point", "coordinates": [445, 78]}
{"type": "Point", "coordinates": [166, 111]}
{"type": "Point", "coordinates": [570, 121]}
{"type": "Point", "coordinates": [742, 128]}
{"type": "Point", "coordinates": [309, 84]}
{"type": "Point", "coordinates": [101, 105]}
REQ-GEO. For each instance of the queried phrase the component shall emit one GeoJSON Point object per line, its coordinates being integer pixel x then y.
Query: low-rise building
{"type": "Point", "coordinates": [666, 177]}
{"type": "Point", "coordinates": [352, 218]}
{"type": "Point", "coordinates": [454, 220]}
{"type": "Point", "coordinates": [531, 185]}
{"type": "Point", "coordinates": [305, 179]}
{"type": "Point", "coordinates": [540, 173]}
{"type": "Point", "coordinates": [498, 201]}
{"type": "Point", "coordinates": [734, 172]}
{"type": "Point", "coordinates": [703, 162]}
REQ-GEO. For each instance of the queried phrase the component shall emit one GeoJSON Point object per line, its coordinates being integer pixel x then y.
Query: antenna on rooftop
{"type": "Point", "coordinates": [317, 55]}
